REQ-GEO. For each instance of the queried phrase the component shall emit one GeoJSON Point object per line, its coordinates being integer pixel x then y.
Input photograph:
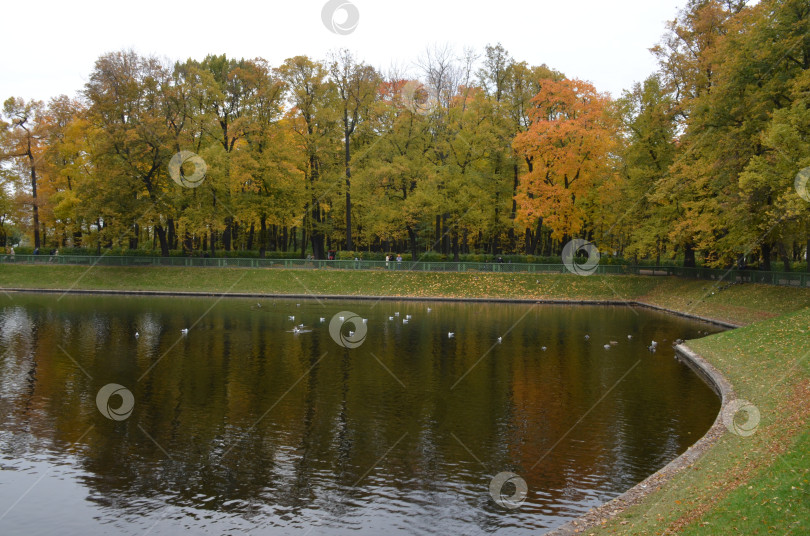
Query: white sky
{"type": "Point", "coordinates": [49, 47]}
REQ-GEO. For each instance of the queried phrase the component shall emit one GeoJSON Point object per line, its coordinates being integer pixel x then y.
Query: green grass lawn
{"type": "Point", "coordinates": [743, 485]}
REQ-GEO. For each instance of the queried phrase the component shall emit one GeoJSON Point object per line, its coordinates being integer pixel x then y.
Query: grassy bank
{"type": "Point", "coordinates": [737, 303]}
{"type": "Point", "coordinates": [743, 485]}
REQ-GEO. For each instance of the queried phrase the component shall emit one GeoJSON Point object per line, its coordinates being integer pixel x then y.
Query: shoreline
{"type": "Point", "coordinates": [360, 297]}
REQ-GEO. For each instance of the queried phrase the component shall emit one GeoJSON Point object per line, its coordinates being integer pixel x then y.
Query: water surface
{"type": "Point", "coordinates": [242, 426]}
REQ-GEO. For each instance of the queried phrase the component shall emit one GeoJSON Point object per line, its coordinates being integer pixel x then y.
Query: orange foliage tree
{"type": "Point", "coordinates": [567, 150]}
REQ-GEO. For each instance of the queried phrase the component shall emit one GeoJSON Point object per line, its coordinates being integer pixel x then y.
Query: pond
{"type": "Point", "coordinates": [112, 420]}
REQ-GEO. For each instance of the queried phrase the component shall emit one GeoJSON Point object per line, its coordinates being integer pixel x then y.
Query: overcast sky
{"type": "Point", "coordinates": [49, 47]}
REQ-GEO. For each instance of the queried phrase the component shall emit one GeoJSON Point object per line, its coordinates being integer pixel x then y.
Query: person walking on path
{"type": "Point", "coordinates": [399, 261]}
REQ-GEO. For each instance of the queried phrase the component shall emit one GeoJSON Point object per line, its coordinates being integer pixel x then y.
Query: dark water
{"type": "Point", "coordinates": [242, 427]}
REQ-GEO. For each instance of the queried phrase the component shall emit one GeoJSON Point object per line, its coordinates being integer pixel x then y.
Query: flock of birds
{"type": "Point", "coordinates": [301, 328]}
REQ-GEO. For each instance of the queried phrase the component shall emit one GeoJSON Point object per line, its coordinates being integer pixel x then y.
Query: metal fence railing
{"type": "Point", "coordinates": [795, 279]}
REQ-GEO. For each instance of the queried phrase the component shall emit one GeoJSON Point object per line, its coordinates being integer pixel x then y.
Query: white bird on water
{"type": "Point", "coordinates": [184, 331]}
{"type": "Point", "coordinates": [323, 320]}
{"type": "Point", "coordinates": [396, 314]}
{"type": "Point", "coordinates": [404, 320]}
{"type": "Point", "coordinates": [629, 337]}
{"type": "Point", "coordinates": [365, 321]}
{"type": "Point", "coordinates": [587, 337]}
{"type": "Point", "coordinates": [429, 309]}
{"type": "Point", "coordinates": [137, 334]}
{"type": "Point", "coordinates": [607, 347]}
{"type": "Point", "coordinates": [450, 334]}
{"type": "Point", "coordinates": [408, 317]}
{"type": "Point", "coordinates": [292, 318]}
{"type": "Point", "coordinates": [390, 318]}
{"type": "Point", "coordinates": [544, 348]}
{"type": "Point", "coordinates": [500, 340]}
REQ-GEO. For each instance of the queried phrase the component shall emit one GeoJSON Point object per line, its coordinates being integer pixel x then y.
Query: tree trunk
{"type": "Point", "coordinates": [262, 236]}
{"type": "Point", "coordinates": [412, 239]}
{"type": "Point", "coordinates": [445, 235]}
{"type": "Point", "coordinates": [172, 233]}
{"type": "Point", "coordinates": [437, 240]}
{"type": "Point", "coordinates": [766, 257]}
{"type": "Point", "coordinates": [34, 201]}
{"type": "Point", "coordinates": [226, 234]}
{"type": "Point", "coordinates": [785, 258]}
{"type": "Point", "coordinates": [164, 243]}
{"type": "Point", "coordinates": [133, 240]}
{"type": "Point", "coordinates": [250, 237]}
{"type": "Point", "coordinates": [689, 256]}
{"type": "Point", "coordinates": [349, 245]}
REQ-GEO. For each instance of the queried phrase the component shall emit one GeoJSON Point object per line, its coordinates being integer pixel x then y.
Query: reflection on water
{"type": "Point", "coordinates": [242, 426]}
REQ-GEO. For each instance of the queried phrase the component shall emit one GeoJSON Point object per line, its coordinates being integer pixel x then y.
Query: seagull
{"type": "Point", "coordinates": [450, 334]}
{"type": "Point", "coordinates": [298, 305]}
{"type": "Point", "coordinates": [629, 337]}
{"type": "Point", "coordinates": [351, 334]}
{"type": "Point", "coordinates": [614, 343]}
{"type": "Point", "coordinates": [396, 314]}
{"type": "Point", "coordinates": [184, 331]}
{"type": "Point", "coordinates": [587, 337]}
{"type": "Point", "coordinates": [390, 318]}
{"type": "Point", "coordinates": [365, 321]}
{"type": "Point", "coordinates": [429, 309]}
{"type": "Point", "coordinates": [323, 320]}
{"type": "Point", "coordinates": [292, 318]}
{"type": "Point", "coordinates": [500, 340]}
{"type": "Point", "coordinates": [408, 317]}
{"type": "Point", "coordinates": [654, 344]}
{"type": "Point", "coordinates": [300, 326]}
{"type": "Point", "coordinates": [544, 348]}
{"type": "Point", "coordinates": [651, 349]}
{"type": "Point", "coordinates": [137, 334]}
{"type": "Point", "coordinates": [607, 347]}
{"type": "Point", "coordinates": [404, 320]}
{"type": "Point", "coordinates": [259, 305]}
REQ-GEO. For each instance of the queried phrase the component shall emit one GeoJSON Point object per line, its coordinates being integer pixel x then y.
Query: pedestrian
{"type": "Point", "coordinates": [36, 251]}
{"type": "Point", "coordinates": [399, 261]}
{"type": "Point", "coordinates": [387, 258]}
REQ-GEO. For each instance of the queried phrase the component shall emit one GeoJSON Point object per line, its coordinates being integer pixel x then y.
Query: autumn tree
{"type": "Point", "coordinates": [568, 144]}
{"type": "Point", "coordinates": [23, 130]}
